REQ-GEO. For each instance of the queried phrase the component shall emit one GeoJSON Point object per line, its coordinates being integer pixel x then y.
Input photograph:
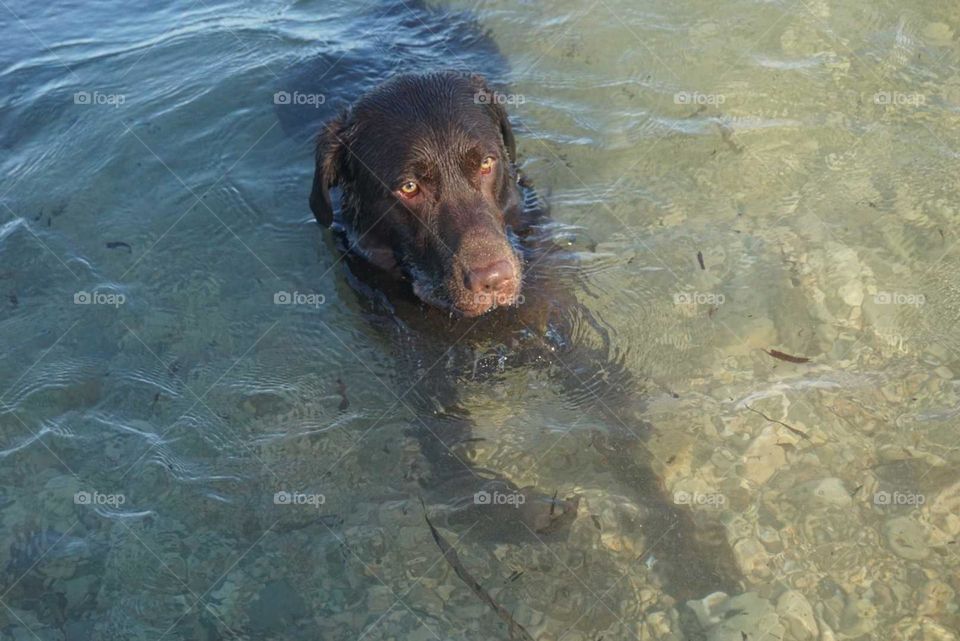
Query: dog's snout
{"type": "Point", "coordinates": [491, 278]}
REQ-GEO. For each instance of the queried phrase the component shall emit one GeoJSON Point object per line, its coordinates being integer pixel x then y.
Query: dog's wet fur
{"type": "Point", "coordinates": [425, 165]}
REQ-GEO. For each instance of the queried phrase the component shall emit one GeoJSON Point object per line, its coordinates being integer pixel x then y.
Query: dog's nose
{"type": "Point", "coordinates": [491, 278]}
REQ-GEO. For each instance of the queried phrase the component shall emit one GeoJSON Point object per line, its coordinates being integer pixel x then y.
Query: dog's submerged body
{"type": "Point", "coordinates": [430, 196]}
{"type": "Point", "coordinates": [453, 259]}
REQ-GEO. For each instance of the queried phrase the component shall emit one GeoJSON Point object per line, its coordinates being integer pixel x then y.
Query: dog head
{"type": "Point", "coordinates": [428, 188]}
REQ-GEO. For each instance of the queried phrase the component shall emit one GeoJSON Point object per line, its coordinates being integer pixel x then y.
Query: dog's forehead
{"type": "Point", "coordinates": [422, 94]}
{"type": "Point", "coordinates": [432, 114]}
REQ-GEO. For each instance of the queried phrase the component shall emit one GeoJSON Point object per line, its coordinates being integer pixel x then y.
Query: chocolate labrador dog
{"type": "Point", "coordinates": [430, 191]}
{"type": "Point", "coordinates": [451, 252]}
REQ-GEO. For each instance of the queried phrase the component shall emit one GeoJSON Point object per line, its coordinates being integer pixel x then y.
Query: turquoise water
{"type": "Point", "coordinates": [154, 399]}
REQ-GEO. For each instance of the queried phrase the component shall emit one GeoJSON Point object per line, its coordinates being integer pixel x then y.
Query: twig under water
{"type": "Point", "coordinates": [773, 420]}
{"type": "Point", "coordinates": [517, 633]}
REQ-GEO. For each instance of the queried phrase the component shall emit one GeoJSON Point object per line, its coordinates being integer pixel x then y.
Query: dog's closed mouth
{"type": "Point", "coordinates": [473, 306]}
{"type": "Point", "coordinates": [485, 303]}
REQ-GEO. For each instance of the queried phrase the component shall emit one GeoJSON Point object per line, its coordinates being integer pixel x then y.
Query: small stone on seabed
{"type": "Point", "coordinates": [795, 611]}
{"type": "Point", "coordinates": [938, 33]}
{"type": "Point", "coordinates": [763, 457]}
{"type": "Point", "coordinates": [744, 616]}
{"type": "Point", "coordinates": [752, 558]}
{"type": "Point", "coordinates": [907, 538]}
{"type": "Point", "coordinates": [852, 293]}
{"type": "Point", "coordinates": [859, 617]}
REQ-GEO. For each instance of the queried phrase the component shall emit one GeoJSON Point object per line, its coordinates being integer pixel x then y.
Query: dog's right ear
{"type": "Point", "coordinates": [499, 114]}
{"type": "Point", "coordinates": [329, 170]}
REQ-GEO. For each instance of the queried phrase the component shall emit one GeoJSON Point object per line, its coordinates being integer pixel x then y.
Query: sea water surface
{"type": "Point", "coordinates": [768, 199]}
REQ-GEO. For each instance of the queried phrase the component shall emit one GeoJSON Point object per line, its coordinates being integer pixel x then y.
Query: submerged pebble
{"type": "Point", "coordinates": [797, 615]}
{"type": "Point", "coordinates": [828, 491]}
{"type": "Point", "coordinates": [943, 513]}
{"type": "Point", "coordinates": [763, 457]}
{"type": "Point", "coordinates": [746, 616]}
{"type": "Point", "coordinates": [935, 598]}
{"type": "Point", "coordinates": [752, 558]}
{"type": "Point", "coordinates": [859, 618]}
{"type": "Point", "coordinates": [938, 33]}
{"type": "Point", "coordinates": [907, 538]}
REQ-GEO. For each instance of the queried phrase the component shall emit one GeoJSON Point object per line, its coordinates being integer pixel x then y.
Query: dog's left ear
{"type": "Point", "coordinates": [499, 113]}
{"type": "Point", "coordinates": [506, 130]}
{"type": "Point", "coordinates": [329, 169]}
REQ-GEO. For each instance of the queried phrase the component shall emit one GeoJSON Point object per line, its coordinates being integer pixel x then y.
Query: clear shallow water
{"type": "Point", "coordinates": [807, 151]}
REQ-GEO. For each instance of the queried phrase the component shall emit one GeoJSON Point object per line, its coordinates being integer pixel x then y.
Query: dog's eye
{"type": "Point", "coordinates": [409, 189]}
{"type": "Point", "coordinates": [486, 165]}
